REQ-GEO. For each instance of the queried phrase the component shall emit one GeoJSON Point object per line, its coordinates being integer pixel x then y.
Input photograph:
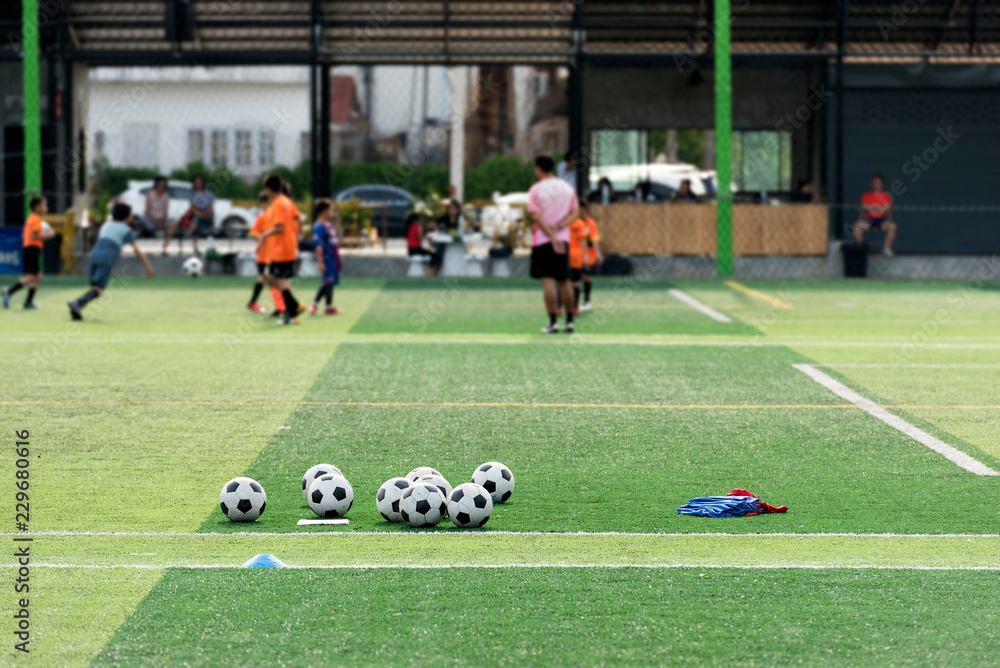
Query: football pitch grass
{"type": "Point", "coordinates": [889, 553]}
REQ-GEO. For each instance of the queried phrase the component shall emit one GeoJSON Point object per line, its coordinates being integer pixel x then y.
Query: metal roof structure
{"type": "Point", "coordinates": [182, 32]}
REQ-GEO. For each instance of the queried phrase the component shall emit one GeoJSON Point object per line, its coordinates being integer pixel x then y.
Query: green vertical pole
{"type": "Point", "coordinates": [32, 103]}
{"type": "Point", "coordinates": [723, 140]}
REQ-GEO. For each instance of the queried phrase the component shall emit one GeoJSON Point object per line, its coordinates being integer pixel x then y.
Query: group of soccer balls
{"type": "Point", "coordinates": [421, 499]}
{"type": "Point", "coordinates": [424, 497]}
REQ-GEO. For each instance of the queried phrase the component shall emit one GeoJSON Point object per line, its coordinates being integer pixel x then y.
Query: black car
{"type": "Point", "coordinates": [399, 201]}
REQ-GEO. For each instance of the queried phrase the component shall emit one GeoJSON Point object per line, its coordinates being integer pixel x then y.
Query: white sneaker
{"type": "Point", "coordinates": [569, 328]}
{"type": "Point", "coordinates": [585, 307]}
{"type": "Point", "coordinates": [887, 253]}
{"type": "Point", "coordinates": [550, 329]}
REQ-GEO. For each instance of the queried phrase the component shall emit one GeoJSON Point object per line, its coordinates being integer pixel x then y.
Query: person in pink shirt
{"type": "Point", "coordinates": [552, 206]}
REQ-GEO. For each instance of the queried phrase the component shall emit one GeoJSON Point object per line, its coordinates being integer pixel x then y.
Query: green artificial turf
{"type": "Point", "coordinates": [139, 414]}
{"type": "Point", "coordinates": [625, 305]}
{"type": "Point", "coordinates": [563, 616]}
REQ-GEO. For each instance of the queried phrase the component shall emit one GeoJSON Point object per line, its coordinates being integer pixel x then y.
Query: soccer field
{"type": "Point", "coordinates": [870, 409]}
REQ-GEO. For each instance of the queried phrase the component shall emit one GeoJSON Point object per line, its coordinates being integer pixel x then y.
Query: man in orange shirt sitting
{"type": "Point", "coordinates": [282, 240]}
{"type": "Point", "coordinates": [34, 238]}
{"type": "Point", "coordinates": [876, 213]}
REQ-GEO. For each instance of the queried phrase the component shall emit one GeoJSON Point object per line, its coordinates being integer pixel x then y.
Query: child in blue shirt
{"type": "Point", "coordinates": [327, 255]}
{"type": "Point", "coordinates": [113, 236]}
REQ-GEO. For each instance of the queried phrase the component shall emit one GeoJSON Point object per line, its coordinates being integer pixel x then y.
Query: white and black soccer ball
{"type": "Point", "coordinates": [422, 505]}
{"type": "Point", "coordinates": [242, 499]}
{"type": "Point", "coordinates": [330, 496]}
{"type": "Point", "coordinates": [388, 498]}
{"type": "Point", "coordinates": [315, 472]}
{"type": "Point", "coordinates": [193, 267]}
{"type": "Point", "coordinates": [438, 481]}
{"type": "Point", "coordinates": [497, 479]}
{"type": "Point", "coordinates": [469, 506]}
{"type": "Point", "coordinates": [420, 471]}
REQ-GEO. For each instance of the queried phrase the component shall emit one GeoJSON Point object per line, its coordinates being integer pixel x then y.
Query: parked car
{"type": "Point", "coordinates": [227, 216]}
{"type": "Point", "coordinates": [665, 178]}
{"type": "Point", "coordinates": [399, 201]}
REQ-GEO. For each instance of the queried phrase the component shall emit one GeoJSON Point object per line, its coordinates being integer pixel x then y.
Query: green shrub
{"type": "Point", "coordinates": [503, 173]}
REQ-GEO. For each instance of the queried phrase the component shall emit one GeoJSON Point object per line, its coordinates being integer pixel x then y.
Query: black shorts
{"type": "Point", "coordinates": [576, 275]}
{"type": "Point", "coordinates": [546, 263]}
{"type": "Point", "coordinates": [283, 269]}
{"type": "Point", "coordinates": [262, 268]}
{"type": "Point", "coordinates": [32, 260]}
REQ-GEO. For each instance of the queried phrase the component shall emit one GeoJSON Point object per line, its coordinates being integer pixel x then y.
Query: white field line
{"type": "Point", "coordinates": [487, 534]}
{"type": "Point", "coordinates": [433, 567]}
{"type": "Point", "coordinates": [698, 306]}
{"type": "Point", "coordinates": [937, 445]}
{"type": "Point", "coordinates": [908, 366]}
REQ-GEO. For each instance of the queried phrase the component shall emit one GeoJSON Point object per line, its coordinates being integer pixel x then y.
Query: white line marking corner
{"type": "Point", "coordinates": [937, 445]}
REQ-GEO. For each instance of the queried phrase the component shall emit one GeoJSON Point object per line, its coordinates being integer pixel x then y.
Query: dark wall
{"type": "Point", "coordinates": [937, 145]}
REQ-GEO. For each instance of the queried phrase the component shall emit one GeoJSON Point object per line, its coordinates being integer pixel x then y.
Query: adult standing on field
{"type": "Point", "coordinates": [553, 206]}
{"type": "Point", "coordinates": [282, 239]}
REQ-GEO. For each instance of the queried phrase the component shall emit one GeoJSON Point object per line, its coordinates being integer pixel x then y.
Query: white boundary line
{"type": "Point", "coordinates": [908, 366]}
{"type": "Point", "coordinates": [697, 305]}
{"type": "Point", "coordinates": [937, 445]}
{"type": "Point", "coordinates": [485, 534]}
{"type": "Point", "coordinates": [435, 567]}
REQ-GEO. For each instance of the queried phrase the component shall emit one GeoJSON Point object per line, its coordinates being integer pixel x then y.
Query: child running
{"type": "Point", "coordinates": [593, 257]}
{"type": "Point", "coordinates": [113, 236]}
{"type": "Point", "coordinates": [327, 255]}
{"type": "Point", "coordinates": [33, 238]}
{"type": "Point", "coordinates": [281, 239]}
{"type": "Point", "coordinates": [259, 226]}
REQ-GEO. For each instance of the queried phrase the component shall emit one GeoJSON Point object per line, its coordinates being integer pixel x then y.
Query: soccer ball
{"type": "Point", "coordinates": [315, 472]}
{"type": "Point", "coordinates": [469, 506]}
{"type": "Point", "coordinates": [416, 473]}
{"type": "Point", "coordinates": [330, 496]}
{"type": "Point", "coordinates": [46, 229]}
{"type": "Point", "coordinates": [497, 479]}
{"type": "Point", "coordinates": [193, 267]}
{"type": "Point", "coordinates": [388, 497]}
{"type": "Point", "coordinates": [422, 505]}
{"type": "Point", "coordinates": [242, 500]}
{"type": "Point", "coordinates": [438, 481]}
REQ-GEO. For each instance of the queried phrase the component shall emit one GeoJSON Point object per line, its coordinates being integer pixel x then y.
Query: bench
{"type": "Point", "coordinates": [418, 265]}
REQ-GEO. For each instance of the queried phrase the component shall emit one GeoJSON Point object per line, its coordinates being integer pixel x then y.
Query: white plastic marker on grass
{"type": "Point", "coordinates": [698, 306]}
{"type": "Point", "coordinates": [919, 435]}
{"type": "Point", "coordinates": [306, 523]}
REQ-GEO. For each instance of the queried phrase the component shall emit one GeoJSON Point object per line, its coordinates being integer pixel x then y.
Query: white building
{"type": "Point", "coordinates": [249, 118]}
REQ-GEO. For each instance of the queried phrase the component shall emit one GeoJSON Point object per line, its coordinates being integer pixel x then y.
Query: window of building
{"type": "Point", "coordinates": [267, 158]}
{"type": "Point", "coordinates": [244, 148]}
{"type": "Point", "coordinates": [196, 146]}
{"type": "Point", "coordinates": [762, 160]}
{"type": "Point", "coordinates": [305, 145]}
{"type": "Point", "coordinates": [219, 148]}
{"type": "Point", "coordinates": [99, 139]}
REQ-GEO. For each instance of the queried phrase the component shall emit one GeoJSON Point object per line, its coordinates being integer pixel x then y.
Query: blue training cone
{"type": "Point", "coordinates": [265, 561]}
